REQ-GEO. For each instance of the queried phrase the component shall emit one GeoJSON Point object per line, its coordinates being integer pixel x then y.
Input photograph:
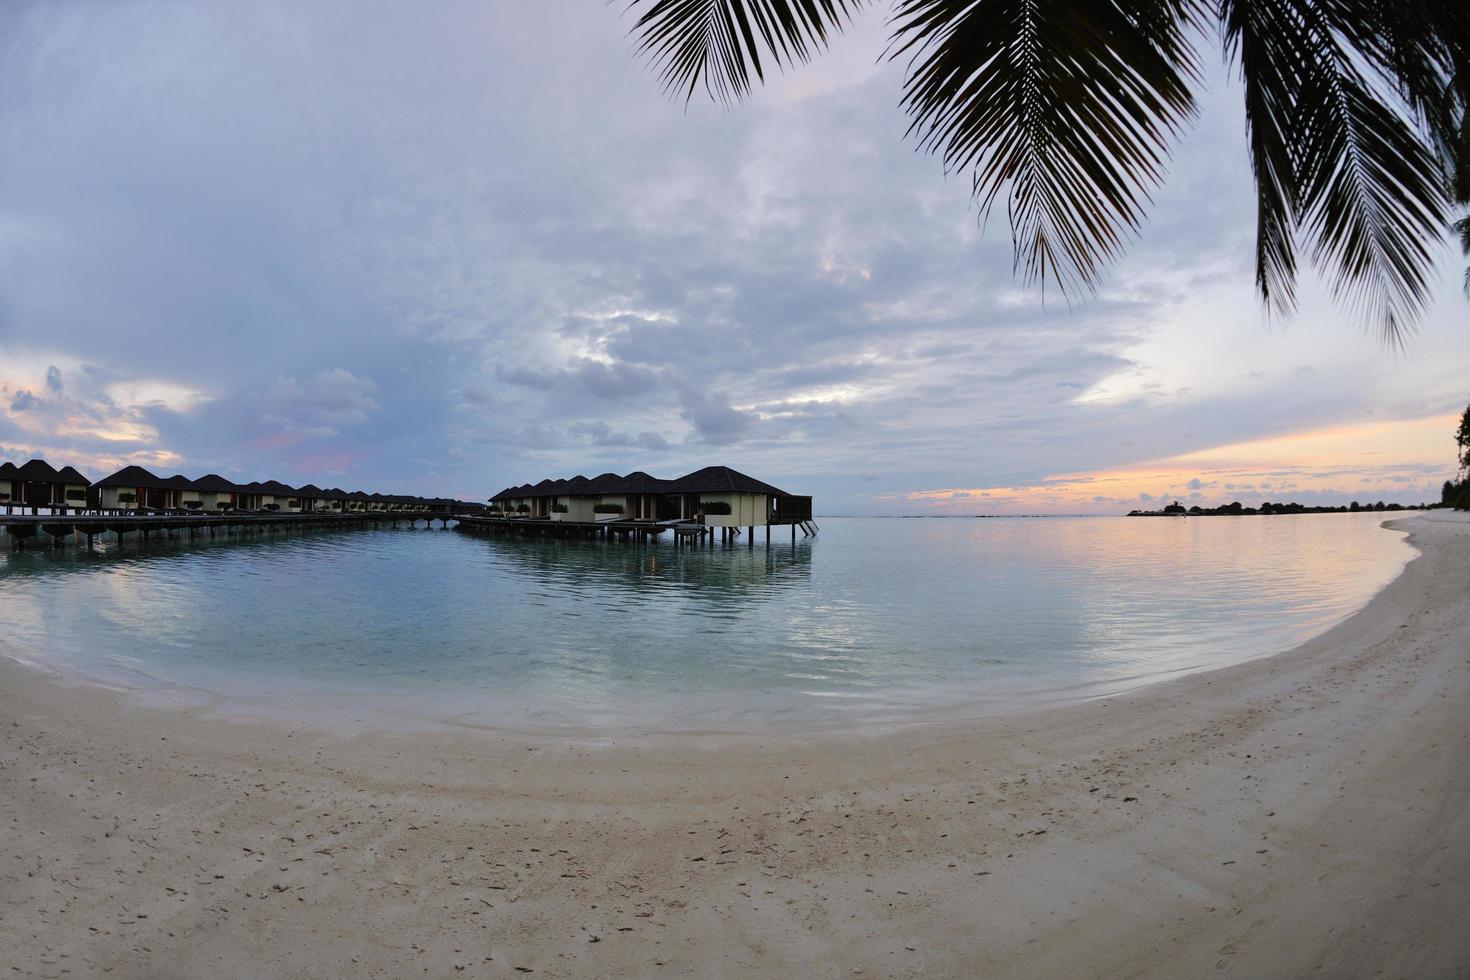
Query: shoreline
{"type": "Point", "coordinates": [1307, 810]}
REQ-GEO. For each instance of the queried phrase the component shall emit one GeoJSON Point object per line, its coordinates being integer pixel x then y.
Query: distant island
{"type": "Point", "coordinates": [1236, 509]}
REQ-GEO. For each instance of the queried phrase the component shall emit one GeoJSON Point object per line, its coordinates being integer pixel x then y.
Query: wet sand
{"type": "Point", "coordinates": [1307, 813]}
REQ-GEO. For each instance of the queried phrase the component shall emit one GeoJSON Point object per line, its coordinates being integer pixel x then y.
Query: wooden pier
{"type": "Point", "coordinates": [23, 528]}
{"type": "Point", "coordinates": [684, 532]}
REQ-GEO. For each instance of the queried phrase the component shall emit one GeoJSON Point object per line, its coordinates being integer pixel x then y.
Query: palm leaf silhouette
{"type": "Point", "coordinates": [1068, 110]}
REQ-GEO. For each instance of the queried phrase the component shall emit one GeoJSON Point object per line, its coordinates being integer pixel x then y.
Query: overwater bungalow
{"type": "Point", "coordinates": [9, 476]}
{"type": "Point", "coordinates": [182, 487]}
{"type": "Point", "coordinates": [74, 487]}
{"type": "Point", "coordinates": [37, 483]}
{"type": "Point", "coordinates": [276, 496]}
{"type": "Point", "coordinates": [249, 496]}
{"type": "Point", "coordinates": [311, 497]}
{"type": "Point", "coordinates": [215, 492]}
{"type": "Point", "coordinates": [132, 488]}
{"type": "Point", "coordinates": [716, 496]}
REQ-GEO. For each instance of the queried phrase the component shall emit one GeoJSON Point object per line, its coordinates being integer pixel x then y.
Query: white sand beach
{"type": "Point", "coordinates": [1302, 814]}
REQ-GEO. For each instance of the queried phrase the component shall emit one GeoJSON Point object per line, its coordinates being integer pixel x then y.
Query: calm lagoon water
{"type": "Point", "coordinates": [872, 621]}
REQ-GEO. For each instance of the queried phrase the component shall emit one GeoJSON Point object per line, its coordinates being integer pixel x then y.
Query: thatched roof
{"type": "Point", "coordinates": [275, 488]}
{"type": "Point", "coordinates": [38, 471]}
{"type": "Point", "coordinates": [722, 479]}
{"type": "Point", "coordinates": [604, 482]}
{"type": "Point", "coordinates": [711, 479]}
{"type": "Point", "coordinates": [640, 482]}
{"type": "Point", "coordinates": [214, 483]}
{"type": "Point", "coordinates": [133, 477]}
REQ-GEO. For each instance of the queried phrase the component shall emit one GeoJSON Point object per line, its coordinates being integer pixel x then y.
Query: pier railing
{"type": "Point", "coordinates": [21, 528]}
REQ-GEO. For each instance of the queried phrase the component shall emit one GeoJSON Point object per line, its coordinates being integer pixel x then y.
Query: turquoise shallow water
{"type": "Point", "coordinates": [871, 621]}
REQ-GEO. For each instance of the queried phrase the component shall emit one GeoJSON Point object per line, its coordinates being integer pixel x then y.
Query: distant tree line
{"type": "Point", "coordinates": [1237, 509]}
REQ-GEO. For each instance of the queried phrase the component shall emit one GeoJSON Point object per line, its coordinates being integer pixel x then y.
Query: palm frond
{"type": "Point", "coordinates": [1345, 157]}
{"type": "Point", "coordinates": [1356, 116]}
{"type": "Point", "coordinates": [1069, 107]}
{"type": "Point", "coordinates": [1372, 194]}
{"type": "Point", "coordinates": [721, 43]}
{"type": "Point", "coordinates": [1267, 42]}
{"type": "Point", "coordinates": [1422, 47]}
{"type": "Point", "coordinates": [1462, 230]}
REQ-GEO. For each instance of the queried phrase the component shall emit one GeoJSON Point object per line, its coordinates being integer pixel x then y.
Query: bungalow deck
{"type": "Point", "coordinates": [685, 531]}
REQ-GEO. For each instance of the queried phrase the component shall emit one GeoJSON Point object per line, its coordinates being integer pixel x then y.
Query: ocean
{"type": "Point", "coordinates": [871, 622]}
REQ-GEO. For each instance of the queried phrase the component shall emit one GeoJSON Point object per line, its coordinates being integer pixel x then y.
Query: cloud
{"type": "Point", "coordinates": [714, 420]}
{"type": "Point", "coordinates": [603, 434]}
{"type": "Point", "coordinates": [323, 405]}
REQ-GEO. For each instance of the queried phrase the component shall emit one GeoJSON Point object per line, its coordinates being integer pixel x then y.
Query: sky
{"type": "Point", "coordinates": [445, 248]}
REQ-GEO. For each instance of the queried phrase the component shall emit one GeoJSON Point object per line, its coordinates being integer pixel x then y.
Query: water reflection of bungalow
{"type": "Point", "coordinates": [716, 496]}
{"type": "Point", "coordinates": [625, 575]}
